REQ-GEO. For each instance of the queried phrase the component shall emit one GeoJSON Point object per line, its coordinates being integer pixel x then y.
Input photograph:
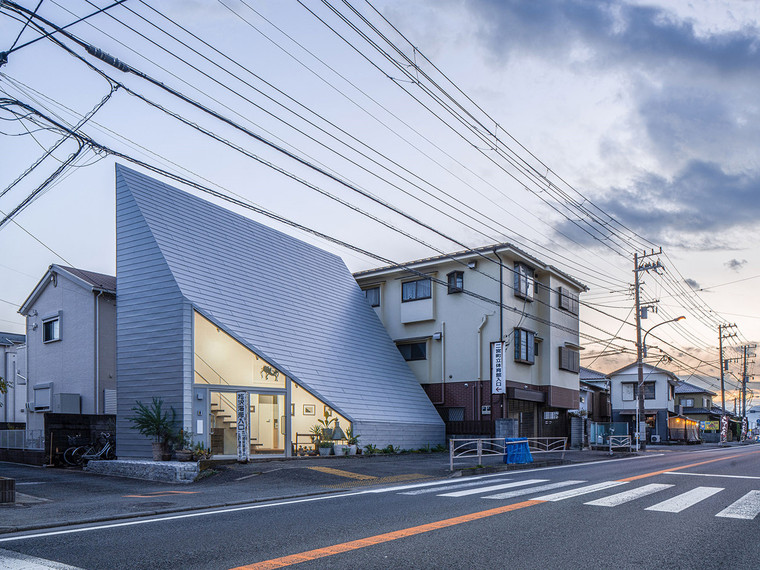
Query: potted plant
{"type": "Point", "coordinates": [326, 425]}
{"type": "Point", "coordinates": [156, 422]}
{"type": "Point", "coordinates": [325, 447]}
{"type": "Point", "coordinates": [183, 446]}
{"type": "Point", "coordinates": [353, 441]}
{"type": "Point", "coordinates": [200, 452]}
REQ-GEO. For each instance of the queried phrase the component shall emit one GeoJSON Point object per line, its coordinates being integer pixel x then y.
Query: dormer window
{"type": "Point", "coordinates": [456, 282]}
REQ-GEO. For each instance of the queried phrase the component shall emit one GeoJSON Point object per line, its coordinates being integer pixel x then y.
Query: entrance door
{"type": "Point", "coordinates": [267, 423]}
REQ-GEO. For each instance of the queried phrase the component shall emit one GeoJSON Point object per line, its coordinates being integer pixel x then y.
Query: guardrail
{"type": "Point", "coordinates": [480, 447]}
{"type": "Point", "coordinates": [618, 441]}
{"type": "Point", "coordinates": [22, 439]}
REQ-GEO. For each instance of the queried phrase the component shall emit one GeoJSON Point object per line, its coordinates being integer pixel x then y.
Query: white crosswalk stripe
{"type": "Point", "coordinates": [466, 492]}
{"type": "Point", "coordinates": [445, 488]}
{"type": "Point", "coordinates": [532, 490]}
{"type": "Point", "coordinates": [629, 495]}
{"type": "Point", "coordinates": [685, 500]}
{"type": "Point", "coordinates": [579, 491]}
{"type": "Point", "coordinates": [748, 507]}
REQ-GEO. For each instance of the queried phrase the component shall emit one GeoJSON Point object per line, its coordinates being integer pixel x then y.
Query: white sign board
{"type": "Point", "coordinates": [243, 444]}
{"type": "Point", "coordinates": [498, 374]}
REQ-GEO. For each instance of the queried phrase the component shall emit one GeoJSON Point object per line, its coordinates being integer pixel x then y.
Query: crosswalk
{"type": "Point", "coordinates": [746, 507]}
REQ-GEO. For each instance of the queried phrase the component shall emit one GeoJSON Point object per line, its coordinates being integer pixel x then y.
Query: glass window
{"type": "Point", "coordinates": [220, 359]}
{"type": "Point", "coordinates": [413, 351]}
{"type": "Point", "coordinates": [456, 281]}
{"type": "Point", "coordinates": [649, 392]}
{"type": "Point", "coordinates": [687, 402]}
{"type": "Point", "coordinates": [628, 392]}
{"type": "Point", "coordinates": [307, 413]}
{"type": "Point", "coordinates": [373, 296]}
{"type": "Point", "coordinates": [524, 283]}
{"type": "Point", "coordinates": [51, 329]}
{"type": "Point", "coordinates": [415, 290]}
{"type": "Point", "coordinates": [525, 346]}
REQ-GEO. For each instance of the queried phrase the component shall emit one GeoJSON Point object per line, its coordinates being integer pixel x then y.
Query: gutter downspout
{"type": "Point", "coordinates": [443, 365]}
{"type": "Point", "coordinates": [480, 364]}
{"type": "Point", "coordinates": [97, 352]}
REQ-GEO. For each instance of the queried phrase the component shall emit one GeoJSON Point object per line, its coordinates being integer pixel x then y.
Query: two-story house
{"type": "Point", "coordinates": [490, 334]}
{"type": "Point", "coordinates": [71, 344]}
{"type": "Point", "coordinates": [659, 398]}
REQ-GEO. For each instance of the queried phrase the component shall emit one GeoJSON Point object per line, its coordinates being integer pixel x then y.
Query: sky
{"type": "Point", "coordinates": [598, 129]}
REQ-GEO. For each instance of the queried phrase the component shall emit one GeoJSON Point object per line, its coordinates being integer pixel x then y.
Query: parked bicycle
{"type": "Point", "coordinates": [104, 448]}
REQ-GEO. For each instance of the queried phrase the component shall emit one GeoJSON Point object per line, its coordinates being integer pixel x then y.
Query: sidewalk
{"type": "Point", "coordinates": [55, 497]}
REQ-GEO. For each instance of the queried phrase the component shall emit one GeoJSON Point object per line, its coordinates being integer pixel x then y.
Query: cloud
{"type": "Point", "coordinates": [692, 283]}
{"type": "Point", "coordinates": [735, 264]}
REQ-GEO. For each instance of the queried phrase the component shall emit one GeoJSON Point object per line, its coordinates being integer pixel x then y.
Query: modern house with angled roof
{"type": "Point", "coordinates": [251, 335]}
{"type": "Point", "coordinates": [71, 344]}
{"type": "Point", "coordinates": [491, 334]}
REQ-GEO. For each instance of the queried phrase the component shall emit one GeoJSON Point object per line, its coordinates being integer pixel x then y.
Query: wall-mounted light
{"type": "Point", "coordinates": [437, 336]}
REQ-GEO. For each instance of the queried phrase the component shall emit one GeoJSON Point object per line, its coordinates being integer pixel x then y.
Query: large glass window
{"type": "Point", "coordinates": [220, 359]}
{"type": "Point", "coordinates": [306, 411]}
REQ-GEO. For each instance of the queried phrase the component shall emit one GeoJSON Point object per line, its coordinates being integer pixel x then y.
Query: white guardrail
{"type": "Point", "coordinates": [618, 441]}
{"type": "Point", "coordinates": [22, 439]}
{"type": "Point", "coordinates": [480, 447]}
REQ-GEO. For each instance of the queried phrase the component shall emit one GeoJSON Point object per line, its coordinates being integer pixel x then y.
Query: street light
{"type": "Point", "coordinates": [640, 408]}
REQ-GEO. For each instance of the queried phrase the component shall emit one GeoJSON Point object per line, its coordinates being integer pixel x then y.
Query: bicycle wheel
{"type": "Point", "coordinates": [79, 453]}
{"type": "Point", "coordinates": [69, 456]}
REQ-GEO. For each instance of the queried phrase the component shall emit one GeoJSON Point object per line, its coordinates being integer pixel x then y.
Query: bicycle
{"type": "Point", "coordinates": [105, 448]}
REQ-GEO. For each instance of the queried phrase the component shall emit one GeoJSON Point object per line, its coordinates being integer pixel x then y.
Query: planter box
{"type": "Point", "coordinates": [7, 490]}
{"type": "Point", "coordinates": [340, 449]}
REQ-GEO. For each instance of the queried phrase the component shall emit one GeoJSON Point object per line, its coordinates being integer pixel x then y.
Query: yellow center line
{"type": "Point", "coordinates": [381, 538]}
{"type": "Point", "coordinates": [342, 473]}
{"type": "Point", "coordinates": [660, 472]}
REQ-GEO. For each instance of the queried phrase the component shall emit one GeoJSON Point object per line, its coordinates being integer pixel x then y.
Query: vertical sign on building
{"type": "Point", "coordinates": [498, 381]}
{"type": "Point", "coordinates": [243, 444]}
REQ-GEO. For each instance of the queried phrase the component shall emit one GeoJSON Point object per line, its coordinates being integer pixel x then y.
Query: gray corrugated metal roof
{"type": "Point", "coordinates": [587, 374]}
{"type": "Point", "coordinates": [9, 339]}
{"type": "Point", "coordinates": [292, 303]}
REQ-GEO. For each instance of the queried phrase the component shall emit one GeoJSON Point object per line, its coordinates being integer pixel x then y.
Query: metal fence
{"type": "Point", "coordinates": [22, 439]}
{"type": "Point", "coordinates": [480, 447]}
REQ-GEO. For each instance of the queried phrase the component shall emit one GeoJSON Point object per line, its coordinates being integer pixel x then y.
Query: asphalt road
{"type": "Point", "coordinates": [692, 509]}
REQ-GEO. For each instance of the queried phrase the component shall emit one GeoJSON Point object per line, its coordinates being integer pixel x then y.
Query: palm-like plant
{"type": "Point", "coordinates": [154, 421]}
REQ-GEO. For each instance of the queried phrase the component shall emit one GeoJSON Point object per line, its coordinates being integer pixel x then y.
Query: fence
{"type": "Point", "coordinates": [480, 447]}
{"type": "Point", "coordinates": [33, 439]}
{"type": "Point", "coordinates": [620, 441]}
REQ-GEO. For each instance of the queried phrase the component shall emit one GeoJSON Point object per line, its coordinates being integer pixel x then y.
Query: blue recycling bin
{"type": "Point", "coordinates": [517, 452]}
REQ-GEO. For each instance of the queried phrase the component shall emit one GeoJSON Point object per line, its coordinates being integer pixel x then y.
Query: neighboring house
{"type": "Point", "coordinates": [71, 344]}
{"type": "Point", "coordinates": [659, 398]}
{"type": "Point", "coordinates": [753, 419]}
{"type": "Point", "coordinates": [12, 370]}
{"type": "Point", "coordinates": [444, 317]}
{"type": "Point", "coordinates": [251, 335]}
{"type": "Point", "coordinates": [696, 403]}
{"type": "Point", "coordinates": [595, 395]}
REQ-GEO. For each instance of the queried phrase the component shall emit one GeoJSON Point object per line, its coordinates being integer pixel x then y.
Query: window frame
{"type": "Point", "coordinates": [569, 359]}
{"type": "Point", "coordinates": [568, 301]}
{"type": "Point", "coordinates": [366, 296]}
{"type": "Point", "coordinates": [525, 346]}
{"type": "Point", "coordinates": [453, 285]}
{"type": "Point", "coordinates": [46, 322]}
{"type": "Point", "coordinates": [411, 356]}
{"type": "Point", "coordinates": [416, 297]}
{"type": "Point", "coordinates": [525, 281]}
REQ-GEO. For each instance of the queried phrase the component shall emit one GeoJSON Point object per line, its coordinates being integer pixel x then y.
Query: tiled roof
{"type": "Point", "coordinates": [589, 374]}
{"type": "Point", "coordinates": [686, 388]}
{"type": "Point", "coordinates": [97, 280]}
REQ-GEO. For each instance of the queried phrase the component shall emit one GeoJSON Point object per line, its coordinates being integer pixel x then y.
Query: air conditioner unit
{"type": "Point", "coordinates": [655, 439]}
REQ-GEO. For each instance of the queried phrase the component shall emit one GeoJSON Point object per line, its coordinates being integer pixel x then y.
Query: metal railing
{"type": "Point", "coordinates": [480, 447]}
{"type": "Point", "coordinates": [22, 439]}
{"type": "Point", "coordinates": [620, 441]}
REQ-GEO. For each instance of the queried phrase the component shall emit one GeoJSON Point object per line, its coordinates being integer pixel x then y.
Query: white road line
{"type": "Point", "coordinates": [712, 475]}
{"type": "Point", "coordinates": [685, 500]}
{"type": "Point", "coordinates": [746, 508]}
{"type": "Point", "coordinates": [540, 488]}
{"type": "Point", "coordinates": [579, 491]}
{"type": "Point", "coordinates": [630, 495]}
{"type": "Point", "coordinates": [501, 477]}
{"type": "Point", "coordinates": [492, 488]}
{"type": "Point", "coordinates": [444, 488]}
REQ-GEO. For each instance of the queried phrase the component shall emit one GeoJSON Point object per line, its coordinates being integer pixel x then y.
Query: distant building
{"type": "Point", "coordinates": [251, 335]}
{"type": "Point", "coordinates": [71, 344]}
{"type": "Point", "coordinates": [12, 369]}
{"type": "Point", "coordinates": [659, 398]}
{"type": "Point", "coordinates": [595, 395]}
{"type": "Point", "coordinates": [444, 317]}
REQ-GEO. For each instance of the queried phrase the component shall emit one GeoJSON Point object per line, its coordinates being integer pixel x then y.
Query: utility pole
{"type": "Point", "coordinates": [746, 354]}
{"type": "Point", "coordinates": [723, 365]}
{"type": "Point", "coordinates": [640, 264]}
